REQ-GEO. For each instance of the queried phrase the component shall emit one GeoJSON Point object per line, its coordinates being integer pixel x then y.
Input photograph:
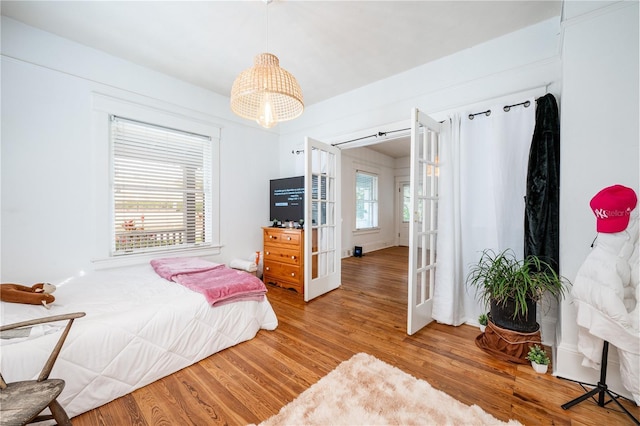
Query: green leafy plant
{"type": "Point", "coordinates": [483, 319]}
{"type": "Point", "coordinates": [501, 277]}
{"type": "Point", "coordinates": [538, 355]}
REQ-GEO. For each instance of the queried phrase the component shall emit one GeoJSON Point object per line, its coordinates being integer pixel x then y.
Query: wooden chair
{"type": "Point", "coordinates": [21, 402]}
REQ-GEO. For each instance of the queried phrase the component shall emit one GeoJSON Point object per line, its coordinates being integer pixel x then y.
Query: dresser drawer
{"type": "Point", "coordinates": [283, 270]}
{"type": "Point", "coordinates": [280, 236]}
{"type": "Point", "coordinates": [280, 282]}
{"type": "Point", "coordinates": [289, 255]}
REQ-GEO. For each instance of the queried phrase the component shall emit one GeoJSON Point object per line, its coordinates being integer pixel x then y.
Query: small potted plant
{"type": "Point", "coordinates": [483, 319]}
{"type": "Point", "coordinates": [539, 359]}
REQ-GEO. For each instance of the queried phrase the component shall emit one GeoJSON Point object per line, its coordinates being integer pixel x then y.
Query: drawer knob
{"type": "Point", "coordinates": [293, 274]}
{"type": "Point", "coordinates": [268, 253]}
{"type": "Point", "coordinates": [293, 257]}
{"type": "Point", "coordinates": [267, 268]}
{"type": "Point", "coordinates": [271, 236]}
{"type": "Point", "coordinates": [289, 238]}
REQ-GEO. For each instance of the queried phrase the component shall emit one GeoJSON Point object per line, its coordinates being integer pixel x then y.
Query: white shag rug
{"type": "Point", "coordinates": [366, 391]}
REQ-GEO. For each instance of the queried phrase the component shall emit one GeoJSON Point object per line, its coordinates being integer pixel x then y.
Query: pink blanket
{"type": "Point", "coordinates": [218, 283]}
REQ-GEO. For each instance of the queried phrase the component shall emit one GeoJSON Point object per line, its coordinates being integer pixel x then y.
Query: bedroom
{"type": "Point", "coordinates": [51, 171]}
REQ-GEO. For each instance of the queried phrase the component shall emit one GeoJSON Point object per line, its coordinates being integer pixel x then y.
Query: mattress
{"type": "Point", "coordinates": [139, 328]}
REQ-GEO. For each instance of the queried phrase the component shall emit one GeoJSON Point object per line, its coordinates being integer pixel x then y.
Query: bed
{"type": "Point", "coordinates": [139, 328]}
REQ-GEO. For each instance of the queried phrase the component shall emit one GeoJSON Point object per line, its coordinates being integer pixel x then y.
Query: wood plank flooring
{"type": "Point", "coordinates": [253, 380]}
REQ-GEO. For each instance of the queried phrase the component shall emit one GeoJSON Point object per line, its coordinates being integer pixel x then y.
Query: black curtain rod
{"type": "Point", "coordinates": [506, 108]}
{"type": "Point", "coordinates": [375, 135]}
{"type": "Point", "coordinates": [393, 131]}
{"type": "Point", "coordinates": [353, 140]}
{"type": "Point", "coordinates": [487, 113]}
{"type": "Point", "coordinates": [526, 104]}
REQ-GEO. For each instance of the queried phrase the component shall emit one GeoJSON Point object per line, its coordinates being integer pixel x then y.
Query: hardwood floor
{"type": "Point", "coordinates": [253, 380]}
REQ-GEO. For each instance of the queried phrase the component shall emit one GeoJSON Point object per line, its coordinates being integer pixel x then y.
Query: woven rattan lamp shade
{"type": "Point", "coordinates": [266, 93]}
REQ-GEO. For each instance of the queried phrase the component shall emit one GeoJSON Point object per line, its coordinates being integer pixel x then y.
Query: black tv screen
{"type": "Point", "coordinates": [287, 199]}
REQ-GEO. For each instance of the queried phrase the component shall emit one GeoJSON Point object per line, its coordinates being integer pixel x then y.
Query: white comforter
{"type": "Point", "coordinates": [138, 328]}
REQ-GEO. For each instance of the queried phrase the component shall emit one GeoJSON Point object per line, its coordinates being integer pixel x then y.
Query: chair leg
{"type": "Point", "coordinates": [59, 414]}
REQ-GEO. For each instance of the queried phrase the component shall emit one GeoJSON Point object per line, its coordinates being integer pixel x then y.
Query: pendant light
{"type": "Point", "coordinates": [265, 92]}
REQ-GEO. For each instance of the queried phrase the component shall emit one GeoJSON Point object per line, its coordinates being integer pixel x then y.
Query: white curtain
{"type": "Point", "coordinates": [483, 171]}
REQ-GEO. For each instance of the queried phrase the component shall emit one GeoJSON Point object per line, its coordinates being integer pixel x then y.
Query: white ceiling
{"type": "Point", "coordinates": [331, 47]}
{"type": "Point", "coordinates": [395, 148]}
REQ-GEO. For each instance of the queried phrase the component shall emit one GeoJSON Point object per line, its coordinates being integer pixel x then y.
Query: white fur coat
{"type": "Point", "coordinates": [607, 295]}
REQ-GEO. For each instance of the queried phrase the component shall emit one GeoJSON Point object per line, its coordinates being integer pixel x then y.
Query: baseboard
{"type": "Point", "coordinates": [368, 247]}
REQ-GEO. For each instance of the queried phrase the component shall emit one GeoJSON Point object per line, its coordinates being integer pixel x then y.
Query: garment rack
{"type": "Point", "coordinates": [601, 389]}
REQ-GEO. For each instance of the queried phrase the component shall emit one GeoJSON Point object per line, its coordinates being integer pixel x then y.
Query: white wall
{"type": "Point", "coordinates": [383, 166]}
{"type": "Point", "coordinates": [599, 142]}
{"type": "Point", "coordinates": [53, 173]}
{"type": "Point", "coordinates": [387, 169]}
{"type": "Point", "coordinates": [519, 61]}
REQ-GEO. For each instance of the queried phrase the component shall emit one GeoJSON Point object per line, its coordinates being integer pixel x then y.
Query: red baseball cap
{"type": "Point", "coordinates": [612, 207]}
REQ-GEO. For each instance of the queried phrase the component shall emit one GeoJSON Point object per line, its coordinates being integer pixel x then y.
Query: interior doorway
{"type": "Point", "coordinates": [389, 159]}
{"type": "Point", "coordinates": [385, 269]}
{"type": "Point", "coordinates": [409, 212]}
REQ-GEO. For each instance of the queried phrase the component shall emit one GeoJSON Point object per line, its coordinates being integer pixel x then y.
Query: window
{"type": "Point", "coordinates": [366, 200]}
{"type": "Point", "coordinates": [161, 188]}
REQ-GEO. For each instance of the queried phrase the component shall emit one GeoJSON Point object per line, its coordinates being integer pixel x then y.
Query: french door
{"type": "Point", "coordinates": [423, 214]}
{"type": "Point", "coordinates": [322, 219]}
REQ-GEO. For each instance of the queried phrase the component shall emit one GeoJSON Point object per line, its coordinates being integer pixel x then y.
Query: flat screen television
{"type": "Point", "coordinates": [286, 198]}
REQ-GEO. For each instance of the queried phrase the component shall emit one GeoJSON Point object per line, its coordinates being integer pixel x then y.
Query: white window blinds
{"type": "Point", "coordinates": [366, 200]}
{"type": "Point", "coordinates": [161, 186]}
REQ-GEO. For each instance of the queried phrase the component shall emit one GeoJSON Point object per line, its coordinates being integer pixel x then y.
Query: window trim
{"type": "Point", "coordinates": [375, 226]}
{"type": "Point", "coordinates": [132, 139]}
{"type": "Point", "coordinates": [100, 212]}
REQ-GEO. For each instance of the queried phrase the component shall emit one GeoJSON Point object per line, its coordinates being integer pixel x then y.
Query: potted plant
{"type": "Point", "coordinates": [539, 359]}
{"type": "Point", "coordinates": [512, 287]}
{"type": "Point", "coordinates": [483, 319]}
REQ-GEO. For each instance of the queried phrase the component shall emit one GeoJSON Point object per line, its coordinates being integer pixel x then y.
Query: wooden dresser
{"type": "Point", "coordinates": [284, 257]}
